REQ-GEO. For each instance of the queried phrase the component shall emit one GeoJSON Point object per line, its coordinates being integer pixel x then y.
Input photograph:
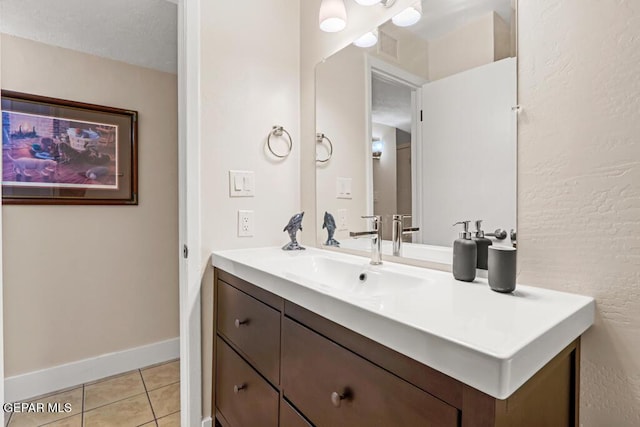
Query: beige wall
{"type": "Point", "coordinates": [341, 114]}
{"type": "Point", "coordinates": [81, 281]}
{"type": "Point", "coordinates": [250, 81]}
{"type": "Point", "coordinates": [579, 182]}
{"type": "Point", "coordinates": [503, 41]}
{"type": "Point", "coordinates": [467, 47]}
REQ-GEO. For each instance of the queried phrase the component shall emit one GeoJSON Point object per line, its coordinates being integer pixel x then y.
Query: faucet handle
{"type": "Point", "coordinates": [376, 218]}
{"type": "Point", "coordinates": [377, 222]}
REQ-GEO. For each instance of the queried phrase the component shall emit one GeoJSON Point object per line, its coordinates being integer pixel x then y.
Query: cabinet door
{"type": "Point", "coordinates": [242, 396]}
{"type": "Point", "coordinates": [334, 387]}
{"type": "Point", "coordinates": [253, 327]}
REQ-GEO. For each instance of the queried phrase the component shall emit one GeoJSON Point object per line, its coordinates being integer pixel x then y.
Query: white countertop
{"type": "Point", "coordinates": [493, 342]}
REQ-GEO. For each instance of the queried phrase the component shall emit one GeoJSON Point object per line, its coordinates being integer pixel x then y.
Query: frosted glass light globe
{"type": "Point", "coordinates": [408, 17]}
{"type": "Point", "coordinates": [368, 2]}
{"type": "Point", "coordinates": [333, 16]}
{"type": "Point", "coordinates": [367, 40]}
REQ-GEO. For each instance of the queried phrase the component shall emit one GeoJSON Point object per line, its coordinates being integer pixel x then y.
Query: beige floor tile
{"type": "Point", "coordinates": [112, 390]}
{"type": "Point", "coordinates": [75, 421]}
{"type": "Point", "coordinates": [172, 420]}
{"type": "Point", "coordinates": [161, 375]}
{"type": "Point", "coordinates": [151, 424]}
{"type": "Point", "coordinates": [130, 412]}
{"type": "Point", "coordinates": [165, 400]}
{"type": "Point", "coordinates": [27, 419]}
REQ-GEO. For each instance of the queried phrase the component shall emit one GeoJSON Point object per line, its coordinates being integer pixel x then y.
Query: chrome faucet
{"type": "Point", "coordinates": [399, 231]}
{"type": "Point", "coordinates": [376, 238]}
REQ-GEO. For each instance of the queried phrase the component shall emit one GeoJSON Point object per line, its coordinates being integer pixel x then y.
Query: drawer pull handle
{"type": "Point", "coordinates": [336, 398]}
{"type": "Point", "coordinates": [237, 388]}
{"type": "Point", "coordinates": [239, 322]}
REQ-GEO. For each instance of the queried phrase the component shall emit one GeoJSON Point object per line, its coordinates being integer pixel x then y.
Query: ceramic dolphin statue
{"type": "Point", "coordinates": [295, 224]}
{"type": "Point", "coordinates": [330, 225]}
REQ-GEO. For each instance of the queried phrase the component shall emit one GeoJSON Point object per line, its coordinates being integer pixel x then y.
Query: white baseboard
{"type": "Point", "coordinates": [48, 380]}
{"type": "Point", "coordinates": [207, 422]}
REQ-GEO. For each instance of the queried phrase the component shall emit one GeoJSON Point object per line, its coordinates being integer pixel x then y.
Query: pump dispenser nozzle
{"type": "Point", "coordinates": [466, 234]}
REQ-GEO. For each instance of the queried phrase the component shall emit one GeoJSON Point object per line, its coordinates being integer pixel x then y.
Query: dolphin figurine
{"type": "Point", "coordinates": [295, 224]}
{"type": "Point", "coordinates": [330, 225]}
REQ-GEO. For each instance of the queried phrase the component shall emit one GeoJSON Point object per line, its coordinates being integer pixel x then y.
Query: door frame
{"type": "Point", "coordinates": [376, 66]}
{"type": "Point", "coordinates": [1, 302]}
{"type": "Point", "coordinates": [189, 211]}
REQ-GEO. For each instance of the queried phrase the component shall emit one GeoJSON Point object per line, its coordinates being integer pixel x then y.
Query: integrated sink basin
{"type": "Point", "coordinates": [358, 279]}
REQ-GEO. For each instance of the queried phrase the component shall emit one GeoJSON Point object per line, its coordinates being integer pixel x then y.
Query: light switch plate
{"type": "Point", "coordinates": [242, 183]}
{"type": "Point", "coordinates": [343, 188]}
{"type": "Point", "coordinates": [245, 223]}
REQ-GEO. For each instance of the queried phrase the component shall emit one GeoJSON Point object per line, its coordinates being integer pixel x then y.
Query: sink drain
{"type": "Point", "coordinates": [362, 277]}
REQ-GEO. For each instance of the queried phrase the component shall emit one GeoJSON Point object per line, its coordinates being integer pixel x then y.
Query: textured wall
{"type": "Point", "coordinates": [81, 281]}
{"type": "Point", "coordinates": [579, 182]}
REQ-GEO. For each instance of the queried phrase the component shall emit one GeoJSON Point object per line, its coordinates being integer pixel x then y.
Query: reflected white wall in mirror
{"type": "Point", "coordinates": [439, 96]}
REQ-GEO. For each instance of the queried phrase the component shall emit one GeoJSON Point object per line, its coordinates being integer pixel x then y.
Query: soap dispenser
{"type": "Point", "coordinates": [483, 244]}
{"type": "Point", "coordinates": [465, 255]}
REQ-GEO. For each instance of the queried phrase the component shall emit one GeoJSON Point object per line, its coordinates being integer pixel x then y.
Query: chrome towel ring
{"type": "Point", "coordinates": [278, 131]}
{"type": "Point", "coordinates": [320, 138]}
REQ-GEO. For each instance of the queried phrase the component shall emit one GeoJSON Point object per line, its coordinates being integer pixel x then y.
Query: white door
{"type": "Point", "coordinates": [468, 147]}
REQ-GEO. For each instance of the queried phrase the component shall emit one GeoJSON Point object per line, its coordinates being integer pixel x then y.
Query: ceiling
{"type": "Point", "coordinates": [139, 32]}
{"type": "Point", "coordinates": [390, 104]}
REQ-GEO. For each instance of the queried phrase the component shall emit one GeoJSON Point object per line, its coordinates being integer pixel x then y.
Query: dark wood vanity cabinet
{"type": "Point", "coordinates": [278, 364]}
{"type": "Point", "coordinates": [334, 387]}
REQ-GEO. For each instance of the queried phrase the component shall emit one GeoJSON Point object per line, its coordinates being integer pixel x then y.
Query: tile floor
{"type": "Point", "coordinates": [146, 397]}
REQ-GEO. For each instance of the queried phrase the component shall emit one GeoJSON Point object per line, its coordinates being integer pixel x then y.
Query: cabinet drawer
{"type": "Point", "coordinates": [334, 387]}
{"type": "Point", "coordinates": [289, 417]}
{"type": "Point", "coordinates": [242, 396]}
{"type": "Point", "coordinates": [253, 327]}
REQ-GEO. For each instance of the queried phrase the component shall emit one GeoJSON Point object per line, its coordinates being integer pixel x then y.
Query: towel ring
{"type": "Point", "coordinates": [279, 131]}
{"type": "Point", "coordinates": [320, 138]}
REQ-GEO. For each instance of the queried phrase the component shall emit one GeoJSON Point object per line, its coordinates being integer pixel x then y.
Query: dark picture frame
{"type": "Point", "coordinates": [60, 152]}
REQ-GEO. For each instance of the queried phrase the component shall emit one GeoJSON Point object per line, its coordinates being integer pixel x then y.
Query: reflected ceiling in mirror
{"type": "Point", "coordinates": [423, 125]}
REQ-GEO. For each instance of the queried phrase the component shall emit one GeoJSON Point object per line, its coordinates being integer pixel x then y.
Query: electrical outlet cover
{"type": "Point", "coordinates": [342, 219]}
{"type": "Point", "coordinates": [245, 223]}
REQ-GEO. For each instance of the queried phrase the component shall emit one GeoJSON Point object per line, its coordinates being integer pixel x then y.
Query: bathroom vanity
{"type": "Point", "coordinates": [325, 339]}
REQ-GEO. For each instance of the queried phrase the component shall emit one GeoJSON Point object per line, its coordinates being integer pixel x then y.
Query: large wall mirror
{"type": "Point", "coordinates": [421, 121]}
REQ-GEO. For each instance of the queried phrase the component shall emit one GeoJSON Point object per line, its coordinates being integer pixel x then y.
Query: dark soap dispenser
{"type": "Point", "coordinates": [465, 255]}
{"type": "Point", "coordinates": [483, 244]}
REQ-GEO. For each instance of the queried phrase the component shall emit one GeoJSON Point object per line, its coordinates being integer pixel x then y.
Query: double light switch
{"type": "Point", "coordinates": [241, 184]}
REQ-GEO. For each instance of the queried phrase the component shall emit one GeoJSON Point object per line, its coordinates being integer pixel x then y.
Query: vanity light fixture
{"type": "Point", "coordinates": [367, 40]}
{"type": "Point", "coordinates": [409, 16]}
{"type": "Point", "coordinates": [333, 16]}
{"type": "Point", "coordinates": [376, 148]}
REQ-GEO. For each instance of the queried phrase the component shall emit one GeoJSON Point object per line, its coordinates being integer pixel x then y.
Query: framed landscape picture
{"type": "Point", "coordinates": [65, 152]}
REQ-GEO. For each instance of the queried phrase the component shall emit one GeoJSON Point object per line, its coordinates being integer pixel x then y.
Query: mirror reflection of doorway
{"type": "Point", "coordinates": [392, 112]}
